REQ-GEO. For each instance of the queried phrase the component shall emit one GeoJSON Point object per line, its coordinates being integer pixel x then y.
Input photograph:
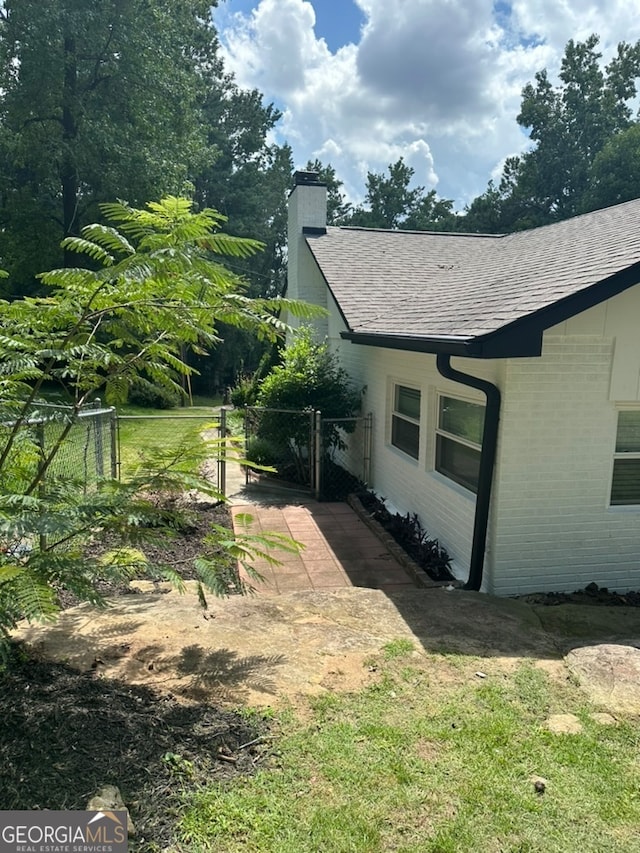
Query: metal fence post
{"type": "Point", "coordinates": [317, 444]}
{"type": "Point", "coordinates": [99, 446]}
{"type": "Point", "coordinates": [222, 456]}
{"type": "Point", "coordinates": [368, 442]}
{"type": "Point", "coordinates": [113, 434]}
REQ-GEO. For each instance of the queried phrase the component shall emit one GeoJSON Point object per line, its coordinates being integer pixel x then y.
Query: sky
{"type": "Point", "coordinates": [361, 83]}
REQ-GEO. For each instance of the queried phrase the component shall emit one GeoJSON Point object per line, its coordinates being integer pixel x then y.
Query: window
{"type": "Point", "coordinates": [459, 440]}
{"type": "Point", "coordinates": [405, 420]}
{"type": "Point", "coordinates": [625, 486]}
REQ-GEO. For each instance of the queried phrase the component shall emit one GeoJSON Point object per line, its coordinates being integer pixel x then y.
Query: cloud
{"type": "Point", "coordinates": [436, 81]}
{"type": "Point", "coordinates": [275, 48]}
{"type": "Point", "coordinates": [431, 58]}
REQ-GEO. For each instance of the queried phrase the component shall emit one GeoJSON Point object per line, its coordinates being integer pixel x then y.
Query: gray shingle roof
{"type": "Point", "coordinates": [462, 286]}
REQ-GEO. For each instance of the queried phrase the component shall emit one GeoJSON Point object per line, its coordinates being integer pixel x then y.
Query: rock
{"type": "Point", "coordinates": [609, 674]}
{"type": "Point", "coordinates": [564, 724]}
{"type": "Point", "coordinates": [604, 719]}
{"type": "Point", "coordinates": [539, 784]}
{"type": "Point", "coordinates": [108, 798]}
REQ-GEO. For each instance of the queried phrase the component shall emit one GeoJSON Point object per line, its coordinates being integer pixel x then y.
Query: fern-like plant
{"type": "Point", "coordinates": [155, 288]}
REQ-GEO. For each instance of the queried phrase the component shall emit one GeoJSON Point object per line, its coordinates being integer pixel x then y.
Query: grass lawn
{"type": "Point", "coordinates": [433, 758]}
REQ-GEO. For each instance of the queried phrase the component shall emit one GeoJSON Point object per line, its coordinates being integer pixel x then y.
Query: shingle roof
{"type": "Point", "coordinates": [430, 285]}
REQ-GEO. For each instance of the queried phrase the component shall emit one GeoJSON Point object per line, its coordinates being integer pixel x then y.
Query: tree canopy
{"type": "Point", "coordinates": [99, 100]}
{"type": "Point", "coordinates": [571, 125]}
{"type": "Point", "coordinates": [391, 202]}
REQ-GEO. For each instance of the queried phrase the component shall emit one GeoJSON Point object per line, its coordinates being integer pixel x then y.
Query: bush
{"type": "Point", "coordinates": [150, 396]}
{"type": "Point", "coordinates": [243, 393]}
{"type": "Point", "coordinates": [309, 379]}
{"type": "Point", "coordinates": [261, 451]}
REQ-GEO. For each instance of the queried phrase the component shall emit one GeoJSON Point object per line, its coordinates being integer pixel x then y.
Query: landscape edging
{"type": "Point", "coordinates": [418, 574]}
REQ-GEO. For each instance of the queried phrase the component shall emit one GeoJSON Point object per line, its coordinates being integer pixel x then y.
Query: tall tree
{"type": "Point", "coordinates": [248, 181]}
{"type": "Point", "coordinates": [99, 99]}
{"type": "Point", "coordinates": [572, 122]}
{"type": "Point", "coordinates": [569, 124]}
{"type": "Point", "coordinates": [391, 202]}
{"type": "Point", "coordinates": [614, 176]}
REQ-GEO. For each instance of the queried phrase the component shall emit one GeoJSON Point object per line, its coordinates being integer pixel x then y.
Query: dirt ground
{"type": "Point", "coordinates": [150, 693]}
{"type": "Point", "coordinates": [155, 693]}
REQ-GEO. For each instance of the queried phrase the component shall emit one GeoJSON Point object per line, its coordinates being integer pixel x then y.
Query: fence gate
{"type": "Point", "coordinates": [330, 457]}
{"type": "Point", "coordinates": [344, 456]}
{"type": "Point", "coordinates": [283, 439]}
{"type": "Point", "coordinates": [142, 436]}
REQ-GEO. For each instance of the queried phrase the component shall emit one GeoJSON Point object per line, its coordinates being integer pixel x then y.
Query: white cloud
{"type": "Point", "coordinates": [435, 81]}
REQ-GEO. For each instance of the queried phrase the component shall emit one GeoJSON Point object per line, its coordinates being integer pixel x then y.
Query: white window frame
{"type": "Point", "coordinates": [626, 455]}
{"type": "Point", "coordinates": [395, 413]}
{"type": "Point", "coordinates": [443, 433]}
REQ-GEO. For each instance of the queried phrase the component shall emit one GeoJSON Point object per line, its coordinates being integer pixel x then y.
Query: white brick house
{"type": "Point", "coordinates": [504, 377]}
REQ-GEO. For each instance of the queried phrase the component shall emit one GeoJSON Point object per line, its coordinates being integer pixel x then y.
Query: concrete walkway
{"type": "Point", "coordinates": [339, 549]}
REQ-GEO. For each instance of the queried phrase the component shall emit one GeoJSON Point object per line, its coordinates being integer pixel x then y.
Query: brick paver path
{"type": "Point", "coordinates": [340, 550]}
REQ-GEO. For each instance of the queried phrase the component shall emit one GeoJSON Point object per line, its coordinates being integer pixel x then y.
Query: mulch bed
{"type": "Point", "coordinates": [174, 548]}
{"type": "Point", "coordinates": [64, 734]}
{"type": "Point", "coordinates": [592, 594]}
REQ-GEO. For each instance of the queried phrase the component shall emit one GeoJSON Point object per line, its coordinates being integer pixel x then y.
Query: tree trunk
{"type": "Point", "coordinates": [68, 170]}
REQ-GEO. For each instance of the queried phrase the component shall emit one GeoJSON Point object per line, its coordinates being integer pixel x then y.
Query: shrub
{"type": "Point", "coordinates": [244, 392]}
{"type": "Point", "coordinates": [310, 378]}
{"type": "Point", "coordinates": [262, 452]}
{"type": "Point", "coordinates": [150, 396]}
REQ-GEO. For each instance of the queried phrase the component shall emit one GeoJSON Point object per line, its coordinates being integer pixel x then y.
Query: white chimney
{"type": "Point", "coordinates": [307, 211]}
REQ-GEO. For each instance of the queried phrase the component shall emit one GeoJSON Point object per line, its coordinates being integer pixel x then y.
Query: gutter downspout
{"type": "Point", "coordinates": [487, 463]}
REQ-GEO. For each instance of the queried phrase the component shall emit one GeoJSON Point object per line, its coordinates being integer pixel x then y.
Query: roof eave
{"type": "Point", "coordinates": [497, 345]}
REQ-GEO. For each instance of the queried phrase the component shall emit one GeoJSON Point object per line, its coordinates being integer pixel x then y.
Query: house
{"type": "Point", "coordinates": [504, 377]}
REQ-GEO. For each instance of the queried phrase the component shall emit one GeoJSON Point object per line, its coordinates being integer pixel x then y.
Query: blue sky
{"type": "Point", "coordinates": [338, 22]}
{"type": "Point", "coordinates": [363, 82]}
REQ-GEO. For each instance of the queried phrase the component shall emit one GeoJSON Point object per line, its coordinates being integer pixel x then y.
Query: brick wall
{"type": "Point", "coordinates": [555, 529]}
{"type": "Point", "coordinates": [551, 527]}
{"type": "Point", "coordinates": [445, 509]}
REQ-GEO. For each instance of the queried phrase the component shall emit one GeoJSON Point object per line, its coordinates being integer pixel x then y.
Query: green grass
{"type": "Point", "coordinates": [433, 759]}
{"type": "Point", "coordinates": [161, 431]}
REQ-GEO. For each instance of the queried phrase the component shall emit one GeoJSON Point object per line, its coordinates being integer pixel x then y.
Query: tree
{"type": "Point", "coordinates": [391, 203]}
{"type": "Point", "coordinates": [159, 288]}
{"type": "Point", "coordinates": [248, 182]}
{"type": "Point", "coordinates": [569, 124]}
{"type": "Point", "coordinates": [614, 176]}
{"type": "Point", "coordinates": [99, 99]}
{"type": "Point", "coordinates": [503, 208]}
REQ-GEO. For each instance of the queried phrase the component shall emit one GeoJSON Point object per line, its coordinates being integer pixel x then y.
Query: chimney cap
{"type": "Point", "coordinates": [302, 178]}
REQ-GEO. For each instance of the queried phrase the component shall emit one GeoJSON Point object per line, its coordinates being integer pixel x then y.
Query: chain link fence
{"type": "Point", "coordinates": [345, 456]}
{"type": "Point", "coordinates": [83, 443]}
{"type": "Point", "coordinates": [195, 443]}
{"type": "Point", "coordinates": [283, 439]}
{"type": "Point", "coordinates": [331, 457]}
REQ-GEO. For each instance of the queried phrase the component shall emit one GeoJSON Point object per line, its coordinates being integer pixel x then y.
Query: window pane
{"type": "Point", "coordinates": [462, 418]}
{"type": "Point", "coordinates": [628, 438]}
{"type": "Point", "coordinates": [458, 462]}
{"type": "Point", "coordinates": [405, 436]}
{"type": "Point", "coordinates": [625, 488]}
{"type": "Point", "coordinates": [408, 402]}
